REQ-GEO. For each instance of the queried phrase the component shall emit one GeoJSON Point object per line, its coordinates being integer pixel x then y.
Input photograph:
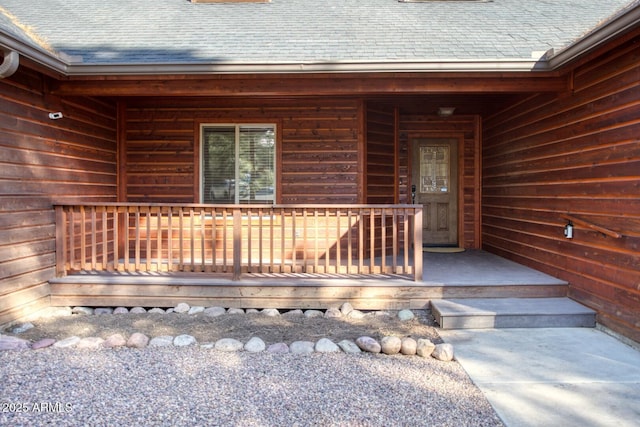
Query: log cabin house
{"type": "Point", "coordinates": [175, 138]}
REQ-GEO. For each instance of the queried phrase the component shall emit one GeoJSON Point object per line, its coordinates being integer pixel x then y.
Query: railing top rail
{"type": "Point", "coordinates": [243, 206]}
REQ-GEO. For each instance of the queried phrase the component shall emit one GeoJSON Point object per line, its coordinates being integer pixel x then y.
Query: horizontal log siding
{"type": "Point", "coordinates": [43, 161]}
{"type": "Point", "coordinates": [436, 127]}
{"type": "Point", "coordinates": [381, 156]}
{"type": "Point", "coordinates": [317, 153]}
{"type": "Point", "coordinates": [576, 154]}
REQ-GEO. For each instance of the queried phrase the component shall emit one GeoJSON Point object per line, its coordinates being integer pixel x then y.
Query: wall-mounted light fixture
{"type": "Point", "coordinates": [568, 230]}
{"type": "Point", "coordinates": [446, 111]}
{"type": "Point", "coordinates": [55, 116]}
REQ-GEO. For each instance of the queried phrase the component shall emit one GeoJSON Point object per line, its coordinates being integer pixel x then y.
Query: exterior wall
{"type": "Point", "coordinates": [576, 153]}
{"type": "Point", "coordinates": [467, 128]}
{"type": "Point", "coordinates": [381, 160]}
{"type": "Point", "coordinates": [319, 143]}
{"type": "Point", "coordinates": [43, 161]}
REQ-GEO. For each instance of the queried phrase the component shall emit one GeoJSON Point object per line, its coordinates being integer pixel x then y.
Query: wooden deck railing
{"type": "Point", "coordinates": [341, 239]}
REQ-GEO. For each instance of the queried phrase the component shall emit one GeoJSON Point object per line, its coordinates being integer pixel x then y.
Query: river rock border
{"type": "Point", "coordinates": [389, 345]}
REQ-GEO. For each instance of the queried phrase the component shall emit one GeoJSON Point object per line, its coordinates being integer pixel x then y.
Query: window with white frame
{"type": "Point", "coordinates": [238, 163]}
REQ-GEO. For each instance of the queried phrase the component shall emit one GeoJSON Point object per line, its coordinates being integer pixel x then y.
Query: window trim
{"type": "Point", "coordinates": [237, 124]}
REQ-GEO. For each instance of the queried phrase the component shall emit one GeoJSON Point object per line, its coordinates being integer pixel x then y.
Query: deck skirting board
{"type": "Point", "coordinates": [281, 292]}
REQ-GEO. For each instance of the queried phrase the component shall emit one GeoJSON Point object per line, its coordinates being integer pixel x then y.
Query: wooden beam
{"type": "Point", "coordinates": [308, 85]}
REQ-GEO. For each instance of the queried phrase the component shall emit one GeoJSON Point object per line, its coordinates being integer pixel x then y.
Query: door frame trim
{"type": "Point", "coordinates": [460, 178]}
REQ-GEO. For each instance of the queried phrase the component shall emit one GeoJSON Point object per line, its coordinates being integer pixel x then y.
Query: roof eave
{"type": "Point", "coordinates": [511, 65]}
{"type": "Point", "coordinates": [616, 26]}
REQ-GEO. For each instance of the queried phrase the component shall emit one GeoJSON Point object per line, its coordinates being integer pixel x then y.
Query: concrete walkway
{"type": "Point", "coordinates": [566, 377]}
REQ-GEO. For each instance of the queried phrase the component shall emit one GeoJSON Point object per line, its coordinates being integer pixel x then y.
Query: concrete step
{"type": "Point", "coordinates": [481, 313]}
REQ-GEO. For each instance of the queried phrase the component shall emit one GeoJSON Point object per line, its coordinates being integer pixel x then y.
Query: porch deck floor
{"type": "Point", "coordinates": [469, 274]}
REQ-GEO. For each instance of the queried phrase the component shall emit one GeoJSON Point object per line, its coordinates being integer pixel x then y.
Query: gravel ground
{"type": "Point", "coordinates": [195, 386]}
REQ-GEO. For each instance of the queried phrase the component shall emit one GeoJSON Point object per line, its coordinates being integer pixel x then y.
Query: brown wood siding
{"type": "Point", "coordinates": [317, 150]}
{"type": "Point", "coordinates": [42, 161]}
{"type": "Point", "coordinates": [455, 126]}
{"type": "Point", "coordinates": [579, 154]}
{"type": "Point", "coordinates": [381, 154]}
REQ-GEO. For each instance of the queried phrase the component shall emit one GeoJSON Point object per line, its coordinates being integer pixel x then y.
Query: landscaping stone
{"type": "Point", "coordinates": [332, 313]}
{"type": "Point", "coordinates": [234, 310]}
{"type": "Point", "coordinates": [184, 340]}
{"type": "Point", "coordinates": [349, 347]}
{"type": "Point", "coordinates": [302, 347]}
{"type": "Point", "coordinates": [313, 313]}
{"type": "Point", "coordinates": [8, 342]}
{"type": "Point", "coordinates": [252, 311]}
{"type": "Point", "coordinates": [278, 348]}
{"type": "Point", "coordinates": [405, 315]}
{"type": "Point", "coordinates": [196, 309]}
{"type": "Point", "coordinates": [67, 342]}
{"type": "Point", "coordinates": [356, 314]}
{"type": "Point", "coordinates": [390, 345]}
{"type": "Point", "coordinates": [296, 312]}
{"type": "Point", "coordinates": [115, 340]}
{"type": "Point", "coordinates": [325, 345]}
{"type": "Point", "coordinates": [424, 347]}
{"type": "Point", "coordinates": [214, 311]}
{"type": "Point", "coordinates": [156, 310]}
{"type": "Point", "coordinates": [170, 310]}
{"type": "Point", "coordinates": [21, 328]}
{"type": "Point", "coordinates": [138, 340]}
{"type": "Point", "coordinates": [271, 312]}
{"type": "Point", "coordinates": [120, 310]}
{"type": "Point", "coordinates": [443, 352]}
{"type": "Point", "coordinates": [228, 344]}
{"type": "Point", "coordinates": [102, 310]}
{"type": "Point", "coordinates": [409, 346]}
{"type": "Point", "coordinates": [161, 341]}
{"type": "Point", "coordinates": [90, 343]}
{"type": "Point", "coordinates": [139, 310]}
{"type": "Point", "coordinates": [368, 344]}
{"type": "Point", "coordinates": [346, 309]}
{"type": "Point", "coordinates": [43, 343]}
{"type": "Point", "coordinates": [255, 345]}
{"type": "Point", "coordinates": [87, 311]}
{"type": "Point", "coordinates": [207, 345]}
{"type": "Point", "coordinates": [183, 307]}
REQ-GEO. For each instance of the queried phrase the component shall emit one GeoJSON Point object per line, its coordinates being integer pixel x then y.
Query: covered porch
{"type": "Point", "coordinates": [363, 254]}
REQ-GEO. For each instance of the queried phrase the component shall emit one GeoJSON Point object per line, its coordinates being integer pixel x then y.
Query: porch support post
{"type": "Point", "coordinates": [417, 245]}
{"type": "Point", "coordinates": [60, 239]}
{"type": "Point", "coordinates": [237, 241]}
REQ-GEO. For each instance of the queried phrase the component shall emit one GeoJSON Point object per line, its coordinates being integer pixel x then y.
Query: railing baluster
{"type": "Point", "coordinates": [394, 242]}
{"type": "Point", "coordinates": [202, 240]}
{"type": "Point", "coordinates": [383, 241]}
{"type": "Point", "coordinates": [316, 238]}
{"type": "Point", "coordinates": [181, 239]}
{"type": "Point", "coordinates": [159, 257]}
{"type": "Point", "coordinates": [249, 247]}
{"type": "Point", "coordinates": [94, 239]}
{"type": "Point", "coordinates": [170, 266]}
{"type": "Point", "coordinates": [349, 241]}
{"type": "Point", "coordinates": [213, 240]}
{"type": "Point", "coordinates": [148, 240]}
{"type": "Point", "coordinates": [105, 239]}
{"type": "Point", "coordinates": [372, 240]}
{"type": "Point", "coordinates": [360, 241]}
{"type": "Point", "coordinates": [338, 238]}
{"type": "Point", "coordinates": [417, 245]}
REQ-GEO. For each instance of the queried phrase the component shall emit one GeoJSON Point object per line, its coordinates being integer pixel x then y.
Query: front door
{"type": "Point", "coordinates": [434, 179]}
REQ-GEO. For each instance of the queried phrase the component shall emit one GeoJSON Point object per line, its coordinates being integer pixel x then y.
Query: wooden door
{"type": "Point", "coordinates": [434, 178]}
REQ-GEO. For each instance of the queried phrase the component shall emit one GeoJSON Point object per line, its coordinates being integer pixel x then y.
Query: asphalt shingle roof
{"type": "Point", "coordinates": [284, 31]}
